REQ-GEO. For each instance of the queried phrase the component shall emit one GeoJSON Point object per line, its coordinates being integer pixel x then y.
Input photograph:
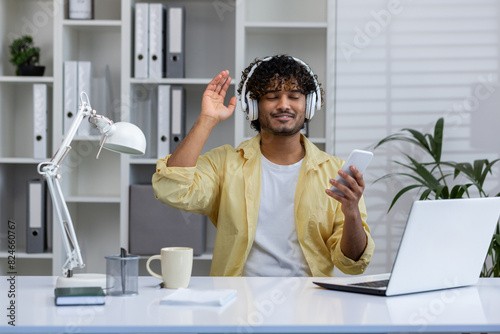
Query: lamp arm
{"type": "Point", "coordinates": [50, 171]}
{"type": "Point", "coordinates": [70, 242]}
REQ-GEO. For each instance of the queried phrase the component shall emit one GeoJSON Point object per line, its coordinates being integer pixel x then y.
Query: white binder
{"type": "Point", "coordinates": [85, 85]}
{"type": "Point", "coordinates": [141, 40]}
{"type": "Point", "coordinates": [81, 9]}
{"type": "Point", "coordinates": [156, 40]}
{"type": "Point", "coordinates": [178, 116]}
{"type": "Point", "coordinates": [163, 137]}
{"type": "Point", "coordinates": [39, 121]}
{"type": "Point", "coordinates": [70, 93]}
{"type": "Point", "coordinates": [175, 41]}
{"type": "Point", "coordinates": [35, 229]}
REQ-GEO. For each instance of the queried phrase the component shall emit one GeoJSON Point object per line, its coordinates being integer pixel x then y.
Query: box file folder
{"type": "Point", "coordinates": [156, 40]}
{"type": "Point", "coordinates": [70, 93]}
{"type": "Point", "coordinates": [154, 225]}
{"type": "Point", "coordinates": [178, 116]}
{"type": "Point", "coordinates": [175, 41]}
{"type": "Point", "coordinates": [35, 229]}
{"type": "Point", "coordinates": [39, 121]}
{"type": "Point", "coordinates": [141, 40]}
{"type": "Point", "coordinates": [163, 137]}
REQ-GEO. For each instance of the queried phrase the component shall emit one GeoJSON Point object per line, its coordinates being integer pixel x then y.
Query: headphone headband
{"type": "Point", "coordinates": [250, 106]}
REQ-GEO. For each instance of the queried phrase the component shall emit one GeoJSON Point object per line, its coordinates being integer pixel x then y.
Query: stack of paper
{"type": "Point", "coordinates": [194, 297]}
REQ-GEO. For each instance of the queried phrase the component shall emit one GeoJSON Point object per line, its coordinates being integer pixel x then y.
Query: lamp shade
{"type": "Point", "coordinates": [126, 138]}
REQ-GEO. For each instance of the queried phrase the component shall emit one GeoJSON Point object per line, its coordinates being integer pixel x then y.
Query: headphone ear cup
{"type": "Point", "coordinates": [310, 105]}
{"type": "Point", "coordinates": [253, 108]}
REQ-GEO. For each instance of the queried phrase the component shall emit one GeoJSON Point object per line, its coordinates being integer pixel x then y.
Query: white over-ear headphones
{"type": "Point", "coordinates": [250, 106]}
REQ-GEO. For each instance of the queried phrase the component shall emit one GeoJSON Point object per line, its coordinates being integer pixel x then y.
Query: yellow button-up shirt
{"type": "Point", "coordinates": [225, 186]}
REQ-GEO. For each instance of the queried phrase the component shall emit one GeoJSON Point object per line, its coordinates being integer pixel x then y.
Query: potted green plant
{"type": "Point", "coordinates": [26, 56]}
{"type": "Point", "coordinates": [437, 179]}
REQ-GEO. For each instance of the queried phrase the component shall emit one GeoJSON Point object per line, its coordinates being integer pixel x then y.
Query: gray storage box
{"type": "Point", "coordinates": [154, 225]}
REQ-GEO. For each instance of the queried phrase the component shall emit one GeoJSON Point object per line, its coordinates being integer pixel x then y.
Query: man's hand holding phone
{"type": "Point", "coordinates": [359, 159]}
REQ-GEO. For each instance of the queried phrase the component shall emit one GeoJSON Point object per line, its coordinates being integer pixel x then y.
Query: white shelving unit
{"type": "Point", "coordinates": [17, 164]}
{"type": "Point", "coordinates": [97, 191]}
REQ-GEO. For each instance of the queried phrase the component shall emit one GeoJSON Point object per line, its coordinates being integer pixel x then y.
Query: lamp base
{"type": "Point", "coordinates": [81, 280]}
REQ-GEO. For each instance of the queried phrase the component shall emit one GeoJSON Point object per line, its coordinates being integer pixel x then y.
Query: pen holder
{"type": "Point", "coordinates": [122, 275]}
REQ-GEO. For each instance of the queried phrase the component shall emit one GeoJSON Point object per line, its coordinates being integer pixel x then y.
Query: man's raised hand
{"type": "Point", "coordinates": [212, 103]}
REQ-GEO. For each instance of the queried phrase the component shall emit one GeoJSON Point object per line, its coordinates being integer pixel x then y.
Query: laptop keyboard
{"type": "Point", "coordinates": [373, 284]}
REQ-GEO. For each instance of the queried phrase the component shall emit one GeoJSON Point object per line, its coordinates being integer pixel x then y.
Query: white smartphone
{"type": "Point", "coordinates": [358, 158]}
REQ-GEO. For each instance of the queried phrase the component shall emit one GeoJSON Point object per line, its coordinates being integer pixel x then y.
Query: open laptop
{"type": "Point", "coordinates": [444, 245]}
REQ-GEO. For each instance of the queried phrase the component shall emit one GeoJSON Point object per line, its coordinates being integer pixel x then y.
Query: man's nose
{"type": "Point", "coordinates": [283, 103]}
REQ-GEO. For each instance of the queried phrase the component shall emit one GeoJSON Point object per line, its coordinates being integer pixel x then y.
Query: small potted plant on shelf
{"type": "Point", "coordinates": [437, 179]}
{"type": "Point", "coordinates": [26, 56]}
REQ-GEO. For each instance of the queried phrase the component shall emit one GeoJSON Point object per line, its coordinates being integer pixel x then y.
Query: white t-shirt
{"type": "Point", "coordinates": [276, 250]}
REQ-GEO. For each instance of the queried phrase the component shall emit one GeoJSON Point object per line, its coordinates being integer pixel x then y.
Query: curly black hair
{"type": "Point", "coordinates": [278, 71]}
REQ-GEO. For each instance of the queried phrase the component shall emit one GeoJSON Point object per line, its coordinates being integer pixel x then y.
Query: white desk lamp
{"type": "Point", "coordinates": [121, 137]}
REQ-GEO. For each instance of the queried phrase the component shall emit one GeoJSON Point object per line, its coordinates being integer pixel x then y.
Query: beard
{"type": "Point", "coordinates": [291, 127]}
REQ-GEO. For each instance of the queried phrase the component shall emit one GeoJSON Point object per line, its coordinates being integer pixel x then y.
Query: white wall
{"type": "Point", "coordinates": [405, 64]}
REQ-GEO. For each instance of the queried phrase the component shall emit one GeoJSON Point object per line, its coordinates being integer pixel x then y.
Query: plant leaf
{"type": "Point", "coordinates": [402, 192]}
{"type": "Point", "coordinates": [487, 169]}
{"type": "Point", "coordinates": [496, 238]}
{"type": "Point", "coordinates": [430, 180]}
{"type": "Point", "coordinates": [477, 170]}
{"type": "Point", "coordinates": [442, 192]}
{"type": "Point", "coordinates": [432, 145]}
{"type": "Point", "coordinates": [425, 194]}
{"type": "Point", "coordinates": [458, 190]}
{"type": "Point", "coordinates": [420, 139]}
{"type": "Point", "coordinates": [438, 139]}
{"type": "Point", "coordinates": [399, 137]}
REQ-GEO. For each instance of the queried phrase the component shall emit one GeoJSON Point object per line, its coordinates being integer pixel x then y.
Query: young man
{"type": "Point", "coordinates": [267, 198]}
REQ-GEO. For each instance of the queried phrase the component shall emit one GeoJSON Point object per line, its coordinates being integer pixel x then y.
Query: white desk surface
{"type": "Point", "coordinates": [263, 305]}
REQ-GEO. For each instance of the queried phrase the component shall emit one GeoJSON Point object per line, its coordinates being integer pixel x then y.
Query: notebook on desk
{"type": "Point", "coordinates": [444, 245]}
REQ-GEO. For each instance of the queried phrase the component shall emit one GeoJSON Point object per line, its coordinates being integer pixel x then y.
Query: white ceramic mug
{"type": "Point", "coordinates": [176, 266]}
